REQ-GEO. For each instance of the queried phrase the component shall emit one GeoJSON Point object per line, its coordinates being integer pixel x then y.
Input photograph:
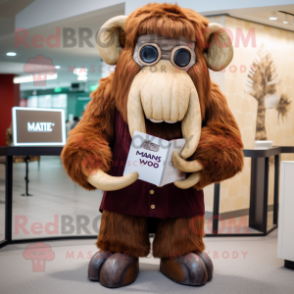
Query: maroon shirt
{"type": "Point", "coordinates": [142, 198]}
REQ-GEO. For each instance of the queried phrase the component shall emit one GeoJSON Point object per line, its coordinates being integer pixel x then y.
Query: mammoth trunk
{"type": "Point", "coordinates": [169, 97]}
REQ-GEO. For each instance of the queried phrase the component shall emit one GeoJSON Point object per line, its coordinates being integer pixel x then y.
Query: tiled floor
{"type": "Point", "coordinates": [54, 194]}
{"type": "Point", "coordinates": [2, 200]}
{"type": "Point", "coordinates": [59, 207]}
{"type": "Point", "coordinates": [241, 266]}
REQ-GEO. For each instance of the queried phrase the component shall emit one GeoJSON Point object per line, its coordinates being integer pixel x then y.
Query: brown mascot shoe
{"type": "Point", "coordinates": [208, 264]}
{"type": "Point", "coordinates": [191, 269]}
{"type": "Point", "coordinates": [95, 265]}
{"type": "Point", "coordinates": [119, 270]}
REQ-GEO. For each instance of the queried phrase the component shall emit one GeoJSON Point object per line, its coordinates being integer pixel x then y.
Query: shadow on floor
{"type": "Point", "coordinates": [150, 280]}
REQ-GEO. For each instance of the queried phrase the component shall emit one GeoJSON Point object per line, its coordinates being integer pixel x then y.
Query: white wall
{"type": "Point", "coordinates": [42, 12]}
{"type": "Point", "coordinates": [211, 6]}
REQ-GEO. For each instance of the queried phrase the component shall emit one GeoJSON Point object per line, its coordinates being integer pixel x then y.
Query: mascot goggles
{"type": "Point", "coordinates": [150, 49]}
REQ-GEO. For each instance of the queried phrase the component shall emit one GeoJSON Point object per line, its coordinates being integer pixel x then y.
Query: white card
{"type": "Point", "coordinates": [151, 157]}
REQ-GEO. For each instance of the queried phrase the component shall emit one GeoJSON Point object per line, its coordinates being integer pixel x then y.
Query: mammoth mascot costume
{"type": "Point", "coordinates": [161, 86]}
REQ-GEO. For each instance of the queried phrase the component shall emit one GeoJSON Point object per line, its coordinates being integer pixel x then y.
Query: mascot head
{"type": "Point", "coordinates": [162, 54]}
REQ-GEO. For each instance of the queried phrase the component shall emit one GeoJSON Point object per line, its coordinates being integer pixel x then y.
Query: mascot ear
{"type": "Point", "coordinates": [108, 39]}
{"type": "Point", "coordinates": [220, 52]}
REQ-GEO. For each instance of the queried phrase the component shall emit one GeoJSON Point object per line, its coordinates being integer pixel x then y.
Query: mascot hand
{"type": "Point", "coordinates": [193, 167]}
{"type": "Point", "coordinates": [105, 182]}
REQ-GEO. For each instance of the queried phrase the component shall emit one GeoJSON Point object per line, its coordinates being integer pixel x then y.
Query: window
{"type": "Point", "coordinates": [58, 101]}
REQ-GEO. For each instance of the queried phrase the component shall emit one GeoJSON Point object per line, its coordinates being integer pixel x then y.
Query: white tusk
{"type": "Point", "coordinates": [108, 39]}
{"type": "Point", "coordinates": [192, 180]}
{"type": "Point", "coordinates": [191, 125]}
{"type": "Point", "coordinates": [185, 166]}
{"type": "Point", "coordinates": [156, 121]}
{"type": "Point", "coordinates": [160, 121]}
{"type": "Point", "coordinates": [105, 182]}
{"type": "Point", "coordinates": [136, 118]}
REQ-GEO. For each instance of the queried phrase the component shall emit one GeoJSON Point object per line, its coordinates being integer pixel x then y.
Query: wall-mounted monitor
{"type": "Point", "coordinates": [38, 127]}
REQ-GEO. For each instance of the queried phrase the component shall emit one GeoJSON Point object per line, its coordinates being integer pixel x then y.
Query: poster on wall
{"type": "Point", "coordinates": [38, 127]}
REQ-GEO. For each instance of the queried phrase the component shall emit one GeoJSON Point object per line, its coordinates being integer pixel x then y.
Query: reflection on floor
{"type": "Point", "coordinates": [242, 265]}
{"type": "Point", "coordinates": [2, 201]}
{"type": "Point", "coordinates": [60, 207]}
{"type": "Point", "coordinates": [54, 196]}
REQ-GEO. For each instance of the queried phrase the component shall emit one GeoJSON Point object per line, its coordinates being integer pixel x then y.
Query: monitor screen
{"type": "Point", "coordinates": [38, 127]}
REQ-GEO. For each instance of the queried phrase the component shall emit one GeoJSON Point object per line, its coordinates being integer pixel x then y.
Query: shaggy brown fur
{"type": "Point", "coordinates": [129, 234]}
{"type": "Point", "coordinates": [124, 233]}
{"type": "Point", "coordinates": [178, 236]}
{"type": "Point", "coordinates": [87, 147]}
{"type": "Point", "coordinates": [220, 148]}
{"type": "Point", "coordinates": [169, 21]}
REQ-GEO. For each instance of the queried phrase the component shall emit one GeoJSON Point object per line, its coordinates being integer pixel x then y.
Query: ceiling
{"type": "Point", "coordinates": [65, 57]}
{"type": "Point", "coordinates": [8, 11]}
{"type": "Point", "coordinates": [86, 56]}
{"type": "Point", "coordinates": [261, 15]}
{"type": "Point", "coordinates": [9, 8]}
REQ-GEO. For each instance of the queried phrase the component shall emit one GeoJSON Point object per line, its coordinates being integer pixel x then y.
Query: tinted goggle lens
{"type": "Point", "coordinates": [182, 57]}
{"type": "Point", "coordinates": [149, 54]}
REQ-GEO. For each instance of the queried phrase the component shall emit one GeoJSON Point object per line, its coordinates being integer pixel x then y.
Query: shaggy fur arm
{"type": "Point", "coordinates": [220, 147]}
{"type": "Point", "coordinates": [87, 147]}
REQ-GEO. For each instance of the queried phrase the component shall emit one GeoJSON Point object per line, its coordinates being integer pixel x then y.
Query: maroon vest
{"type": "Point", "coordinates": [142, 198]}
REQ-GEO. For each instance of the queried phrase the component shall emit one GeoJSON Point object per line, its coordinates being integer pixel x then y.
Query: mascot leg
{"type": "Point", "coordinates": [122, 240]}
{"type": "Point", "coordinates": [179, 244]}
